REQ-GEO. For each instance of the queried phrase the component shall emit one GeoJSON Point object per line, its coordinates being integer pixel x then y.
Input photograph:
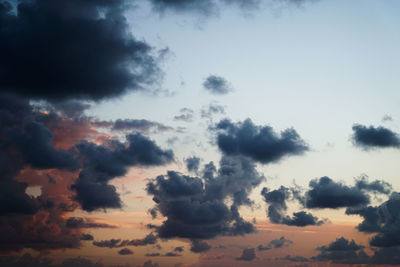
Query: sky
{"type": "Point", "coordinates": [199, 133]}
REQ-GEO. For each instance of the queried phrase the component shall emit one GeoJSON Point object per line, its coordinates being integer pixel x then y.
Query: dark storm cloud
{"type": "Point", "coordinates": [87, 237]}
{"type": "Point", "coordinates": [55, 49]}
{"type": "Point", "coordinates": [276, 199]}
{"type": "Point", "coordinates": [384, 220]}
{"type": "Point", "coordinates": [326, 193]}
{"type": "Point", "coordinates": [260, 143]}
{"type": "Point", "coordinates": [217, 85]}
{"type": "Point", "coordinates": [103, 163]}
{"type": "Point", "coordinates": [248, 254]}
{"type": "Point", "coordinates": [77, 222]}
{"type": "Point", "coordinates": [276, 243]}
{"type": "Point", "coordinates": [199, 246]}
{"type": "Point", "coordinates": [374, 137]}
{"type": "Point", "coordinates": [195, 208]}
{"type": "Point", "coordinates": [192, 164]}
{"type": "Point", "coordinates": [125, 251]}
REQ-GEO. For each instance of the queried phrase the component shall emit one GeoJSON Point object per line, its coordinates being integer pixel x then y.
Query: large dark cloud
{"type": "Point", "coordinates": [28, 153]}
{"type": "Point", "coordinates": [276, 243]}
{"type": "Point", "coordinates": [102, 163]}
{"type": "Point", "coordinates": [276, 199]}
{"type": "Point", "coordinates": [56, 49]}
{"type": "Point", "coordinates": [374, 137]}
{"type": "Point", "coordinates": [384, 220]}
{"type": "Point", "coordinates": [196, 208]}
{"type": "Point", "coordinates": [327, 193]}
{"type": "Point", "coordinates": [217, 85]}
{"type": "Point", "coordinates": [260, 143]}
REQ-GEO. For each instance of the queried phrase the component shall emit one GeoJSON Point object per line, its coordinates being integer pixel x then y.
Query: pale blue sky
{"type": "Point", "coordinates": [318, 68]}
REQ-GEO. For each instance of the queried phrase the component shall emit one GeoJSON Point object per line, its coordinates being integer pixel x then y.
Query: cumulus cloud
{"type": "Point", "coordinates": [374, 137]}
{"type": "Point", "coordinates": [326, 193]}
{"type": "Point", "coordinates": [248, 254]}
{"type": "Point", "coordinates": [276, 199]}
{"type": "Point", "coordinates": [102, 163]}
{"type": "Point", "coordinates": [43, 42]}
{"type": "Point", "coordinates": [276, 243]}
{"type": "Point", "coordinates": [217, 85]}
{"type": "Point", "coordinates": [384, 220]}
{"type": "Point", "coordinates": [260, 143]}
{"type": "Point", "coordinates": [195, 208]}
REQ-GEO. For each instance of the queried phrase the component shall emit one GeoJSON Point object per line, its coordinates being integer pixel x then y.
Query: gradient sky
{"type": "Point", "coordinates": [99, 98]}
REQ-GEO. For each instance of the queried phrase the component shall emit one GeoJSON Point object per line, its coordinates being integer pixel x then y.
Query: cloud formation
{"type": "Point", "coordinates": [57, 50]}
{"type": "Point", "coordinates": [195, 207]}
{"type": "Point", "coordinates": [260, 143]}
{"type": "Point", "coordinates": [217, 85]}
{"type": "Point", "coordinates": [276, 199]}
{"type": "Point", "coordinates": [326, 193]}
{"type": "Point", "coordinates": [374, 137]}
{"type": "Point", "coordinates": [102, 163]}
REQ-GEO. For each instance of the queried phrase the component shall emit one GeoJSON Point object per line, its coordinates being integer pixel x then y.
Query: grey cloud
{"type": "Point", "coordinates": [374, 137]}
{"type": "Point", "coordinates": [276, 199]}
{"type": "Point", "coordinates": [276, 243]}
{"type": "Point", "coordinates": [43, 42]}
{"type": "Point", "coordinates": [260, 143]}
{"type": "Point", "coordinates": [217, 85]}
{"type": "Point", "coordinates": [195, 208]}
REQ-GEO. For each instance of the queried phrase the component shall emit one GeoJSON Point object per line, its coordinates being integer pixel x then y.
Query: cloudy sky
{"type": "Point", "coordinates": [199, 133]}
